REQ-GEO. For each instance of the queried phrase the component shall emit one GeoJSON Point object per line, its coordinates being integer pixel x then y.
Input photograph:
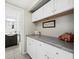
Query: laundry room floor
{"type": "Point", "coordinates": [14, 53]}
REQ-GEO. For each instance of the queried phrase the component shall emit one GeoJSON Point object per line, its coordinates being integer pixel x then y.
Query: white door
{"type": "Point", "coordinates": [21, 32]}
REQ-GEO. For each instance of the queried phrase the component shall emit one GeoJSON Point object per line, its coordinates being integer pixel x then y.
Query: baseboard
{"type": "Point", "coordinates": [28, 55]}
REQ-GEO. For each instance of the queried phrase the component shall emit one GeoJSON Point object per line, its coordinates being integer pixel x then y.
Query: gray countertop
{"type": "Point", "coordinates": [67, 46]}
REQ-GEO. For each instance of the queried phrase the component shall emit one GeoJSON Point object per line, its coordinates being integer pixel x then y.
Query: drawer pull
{"type": "Point", "coordinates": [47, 56]}
{"type": "Point", "coordinates": [57, 53]}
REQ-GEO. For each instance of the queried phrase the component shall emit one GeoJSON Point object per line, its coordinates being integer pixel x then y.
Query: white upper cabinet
{"type": "Point", "coordinates": [37, 15]}
{"type": "Point", "coordinates": [51, 8]}
{"type": "Point", "coordinates": [43, 12]}
{"type": "Point", "coordinates": [63, 5]}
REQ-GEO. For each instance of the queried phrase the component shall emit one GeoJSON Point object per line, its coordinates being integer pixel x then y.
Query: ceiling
{"type": "Point", "coordinates": [26, 4]}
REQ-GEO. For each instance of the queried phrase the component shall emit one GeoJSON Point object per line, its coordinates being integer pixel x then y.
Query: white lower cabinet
{"type": "Point", "coordinates": [35, 49]}
{"type": "Point", "coordinates": [31, 48]}
{"type": "Point", "coordinates": [63, 54]}
{"type": "Point", "coordinates": [40, 50]}
{"type": "Point", "coordinates": [56, 53]}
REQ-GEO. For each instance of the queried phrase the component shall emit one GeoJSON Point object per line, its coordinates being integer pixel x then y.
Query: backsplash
{"type": "Point", "coordinates": [63, 24]}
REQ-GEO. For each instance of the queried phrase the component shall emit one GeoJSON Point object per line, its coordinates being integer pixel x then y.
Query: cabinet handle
{"type": "Point", "coordinates": [47, 56]}
{"type": "Point", "coordinates": [40, 45]}
{"type": "Point", "coordinates": [57, 53]}
{"type": "Point", "coordinates": [29, 44]}
{"type": "Point", "coordinates": [55, 10]}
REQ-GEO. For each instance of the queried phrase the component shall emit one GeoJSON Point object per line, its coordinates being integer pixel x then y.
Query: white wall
{"type": "Point", "coordinates": [29, 27]}
{"type": "Point", "coordinates": [63, 24]}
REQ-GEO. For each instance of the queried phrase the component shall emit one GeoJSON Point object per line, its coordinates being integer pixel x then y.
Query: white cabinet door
{"type": "Point", "coordinates": [35, 16]}
{"type": "Point", "coordinates": [31, 48]}
{"type": "Point", "coordinates": [41, 53]}
{"type": "Point", "coordinates": [61, 54]}
{"type": "Point", "coordinates": [50, 51]}
{"type": "Point", "coordinates": [56, 53]}
{"type": "Point", "coordinates": [43, 12]}
{"type": "Point", "coordinates": [63, 5]}
{"type": "Point", "coordinates": [34, 49]}
{"type": "Point", "coordinates": [49, 9]}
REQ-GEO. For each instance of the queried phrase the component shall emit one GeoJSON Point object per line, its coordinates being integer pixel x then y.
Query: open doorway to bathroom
{"type": "Point", "coordinates": [11, 36]}
{"type": "Point", "coordinates": [14, 31]}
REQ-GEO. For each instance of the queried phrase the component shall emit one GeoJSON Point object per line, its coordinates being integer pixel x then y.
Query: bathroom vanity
{"type": "Point", "coordinates": [10, 40]}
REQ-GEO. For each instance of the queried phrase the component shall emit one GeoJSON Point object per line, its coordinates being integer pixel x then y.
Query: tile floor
{"type": "Point", "coordinates": [14, 53]}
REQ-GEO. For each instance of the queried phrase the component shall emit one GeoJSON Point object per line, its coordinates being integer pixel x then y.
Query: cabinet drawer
{"type": "Point", "coordinates": [61, 54]}
{"type": "Point", "coordinates": [56, 53]}
{"type": "Point", "coordinates": [41, 50]}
